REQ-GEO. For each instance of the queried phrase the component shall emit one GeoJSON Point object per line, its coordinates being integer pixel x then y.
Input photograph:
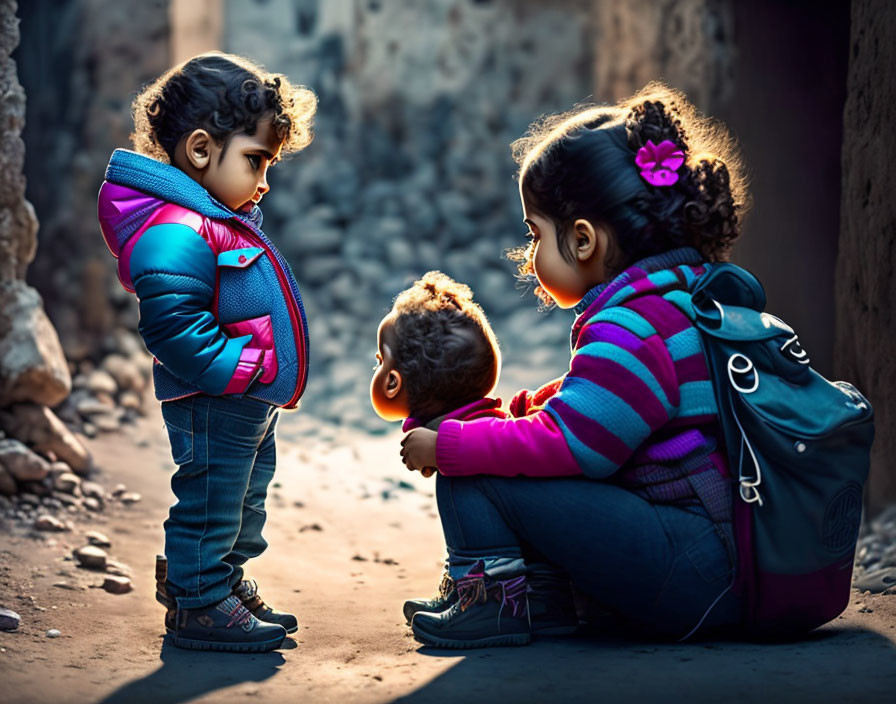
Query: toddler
{"type": "Point", "coordinates": [221, 313]}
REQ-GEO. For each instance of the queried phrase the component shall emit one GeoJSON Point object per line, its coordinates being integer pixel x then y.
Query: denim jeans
{"type": "Point", "coordinates": [660, 566]}
{"type": "Point", "coordinates": [224, 447]}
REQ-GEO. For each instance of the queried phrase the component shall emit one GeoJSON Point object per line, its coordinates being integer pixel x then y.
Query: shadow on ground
{"type": "Point", "coordinates": [188, 674]}
{"type": "Point", "coordinates": [832, 664]}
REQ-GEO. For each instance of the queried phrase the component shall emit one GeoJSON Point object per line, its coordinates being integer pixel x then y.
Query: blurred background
{"type": "Point", "coordinates": [410, 168]}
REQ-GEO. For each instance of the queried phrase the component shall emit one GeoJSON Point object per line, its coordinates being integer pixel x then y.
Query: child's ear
{"type": "Point", "coordinates": [198, 148]}
{"type": "Point", "coordinates": [393, 384]}
{"type": "Point", "coordinates": [589, 240]}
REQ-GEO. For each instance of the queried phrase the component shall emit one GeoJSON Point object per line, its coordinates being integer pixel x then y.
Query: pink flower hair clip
{"type": "Point", "coordinates": [659, 162]}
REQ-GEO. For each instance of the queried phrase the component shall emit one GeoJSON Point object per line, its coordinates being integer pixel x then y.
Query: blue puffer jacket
{"type": "Point", "coordinates": [219, 306]}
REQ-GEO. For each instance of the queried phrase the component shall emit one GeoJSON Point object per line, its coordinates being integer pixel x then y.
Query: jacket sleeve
{"type": "Point", "coordinates": [174, 269]}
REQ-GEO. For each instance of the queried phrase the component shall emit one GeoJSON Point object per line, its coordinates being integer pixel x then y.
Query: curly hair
{"type": "Point", "coordinates": [222, 94]}
{"type": "Point", "coordinates": [581, 164]}
{"type": "Point", "coordinates": [445, 348]}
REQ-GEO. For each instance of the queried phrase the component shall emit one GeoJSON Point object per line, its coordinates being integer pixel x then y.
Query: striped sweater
{"type": "Point", "coordinates": [637, 396]}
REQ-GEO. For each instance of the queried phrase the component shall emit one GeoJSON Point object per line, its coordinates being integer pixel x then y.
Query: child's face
{"type": "Point", "coordinates": [234, 172]}
{"type": "Point", "coordinates": [387, 391]}
{"type": "Point", "coordinates": [557, 276]}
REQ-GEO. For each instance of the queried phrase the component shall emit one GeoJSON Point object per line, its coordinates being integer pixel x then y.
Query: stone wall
{"type": "Point", "coordinates": [410, 169]}
{"type": "Point", "coordinates": [865, 349]}
{"type": "Point", "coordinates": [687, 43]}
{"type": "Point", "coordinates": [82, 63]}
{"type": "Point", "coordinates": [32, 366]}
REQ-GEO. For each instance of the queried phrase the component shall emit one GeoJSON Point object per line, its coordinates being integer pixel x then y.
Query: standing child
{"type": "Point", "coordinates": [438, 360]}
{"type": "Point", "coordinates": [625, 206]}
{"type": "Point", "coordinates": [221, 313]}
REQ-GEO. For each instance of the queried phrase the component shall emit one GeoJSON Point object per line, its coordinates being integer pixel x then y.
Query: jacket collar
{"type": "Point", "coordinates": [170, 184]}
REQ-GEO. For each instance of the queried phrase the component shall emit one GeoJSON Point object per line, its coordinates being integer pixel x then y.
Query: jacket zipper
{"type": "Point", "coordinates": [297, 312]}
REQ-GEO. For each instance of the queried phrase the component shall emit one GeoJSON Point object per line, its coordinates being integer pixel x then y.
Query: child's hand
{"type": "Point", "coordinates": [418, 450]}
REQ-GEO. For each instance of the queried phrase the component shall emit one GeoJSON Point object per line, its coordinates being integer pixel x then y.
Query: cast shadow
{"type": "Point", "coordinates": [188, 674]}
{"type": "Point", "coordinates": [831, 664]}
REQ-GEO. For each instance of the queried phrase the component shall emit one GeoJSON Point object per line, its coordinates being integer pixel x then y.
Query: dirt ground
{"type": "Point", "coordinates": [352, 534]}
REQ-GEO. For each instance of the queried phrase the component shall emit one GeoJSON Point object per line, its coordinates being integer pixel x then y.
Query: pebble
{"type": "Point", "coordinates": [69, 483]}
{"type": "Point", "coordinates": [119, 490]}
{"type": "Point", "coordinates": [9, 620]}
{"type": "Point", "coordinates": [92, 489]}
{"type": "Point", "coordinates": [90, 557]}
{"type": "Point", "coordinates": [101, 381]}
{"type": "Point", "coordinates": [48, 522]}
{"type": "Point", "coordinates": [94, 537]}
{"type": "Point", "coordinates": [117, 568]}
{"type": "Point", "coordinates": [92, 504]}
{"type": "Point", "coordinates": [130, 497]}
{"type": "Point", "coordinates": [54, 633]}
{"type": "Point", "coordinates": [115, 584]}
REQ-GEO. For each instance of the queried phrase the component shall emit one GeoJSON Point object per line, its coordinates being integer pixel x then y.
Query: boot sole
{"type": "Point", "coordinates": [490, 642]}
{"type": "Point", "coordinates": [260, 647]}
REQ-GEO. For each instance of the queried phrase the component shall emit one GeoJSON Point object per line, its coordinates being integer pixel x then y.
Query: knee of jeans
{"type": "Point", "coordinates": [709, 557]}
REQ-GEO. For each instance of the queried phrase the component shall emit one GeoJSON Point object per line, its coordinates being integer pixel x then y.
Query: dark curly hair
{"type": "Point", "coordinates": [222, 94]}
{"type": "Point", "coordinates": [581, 164]}
{"type": "Point", "coordinates": [445, 348]}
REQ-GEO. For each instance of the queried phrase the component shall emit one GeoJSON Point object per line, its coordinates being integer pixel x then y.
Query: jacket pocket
{"type": "Point", "coordinates": [262, 331]}
{"type": "Point", "coordinates": [178, 416]}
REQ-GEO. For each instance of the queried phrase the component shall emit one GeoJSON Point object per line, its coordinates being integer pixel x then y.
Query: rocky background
{"type": "Point", "coordinates": [410, 171]}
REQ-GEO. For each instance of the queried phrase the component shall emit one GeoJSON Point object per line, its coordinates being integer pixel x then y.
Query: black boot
{"type": "Point", "coordinates": [488, 612]}
{"type": "Point", "coordinates": [247, 591]}
{"type": "Point", "coordinates": [552, 609]}
{"type": "Point", "coordinates": [227, 625]}
{"type": "Point", "coordinates": [162, 595]}
{"type": "Point", "coordinates": [447, 596]}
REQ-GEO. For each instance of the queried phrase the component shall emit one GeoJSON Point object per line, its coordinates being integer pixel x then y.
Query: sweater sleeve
{"type": "Point", "coordinates": [531, 446]}
{"type": "Point", "coordinates": [174, 269]}
{"type": "Point", "coordinates": [620, 388]}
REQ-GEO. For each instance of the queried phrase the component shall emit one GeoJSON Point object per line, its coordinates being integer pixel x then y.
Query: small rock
{"type": "Point", "coordinates": [92, 504]}
{"type": "Point", "coordinates": [94, 537]}
{"type": "Point", "coordinates": [7, 483]}
{"type": "Point", "coordinates": [99, 380]}
{"type": "Point", "coordinates": [58, 468]}
{"type": "Point", "coordinates": [118, 568]}
{"type": "Point", "coordinates": [115, 584]}
{"type": "Point", "coordinates": [91, 557]}
{"type": "Point", "coordinates": [92, 489]}
{"type": "Point", "coordinates": [125, 373]}
{"type": "Point", "coordinates": [54, 633]}
{"type": "Point", "coordinates": [9, 620]}
{"type": "Point", "coordinates": [130, 497]}
{"type": "Point", "coordinates": [131, 400]}
{"type": "Point", "coordinates": [40, 428]}
{"type": "Point", "coordinates": [28, 499]}
{"type": "Point", "coordinates": [69, 483]}
{"type": "Point", "coordinates": [47, 522]}
{"type": "Point", "coordinates": [89, 430]}
{"type": "Point", "coordinates": [21, 462]}
{"type": "Point", "coordinates": [119, 490]}
{"type": "Point", "coordinates": [69, 500]}
{"type": "Point", "coordinates": [310, 526]}
{"type": "Point", "coordinates": [107, 423]}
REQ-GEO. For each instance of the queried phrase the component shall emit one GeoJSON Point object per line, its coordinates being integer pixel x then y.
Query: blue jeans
{"type": "Point", "coordinates": [224, 447]}
{"type": "Point", "coordinates": [660, 566]}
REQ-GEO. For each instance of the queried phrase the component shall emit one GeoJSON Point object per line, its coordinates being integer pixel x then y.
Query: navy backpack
{"type": "Point", "coordinates": [798, 447]}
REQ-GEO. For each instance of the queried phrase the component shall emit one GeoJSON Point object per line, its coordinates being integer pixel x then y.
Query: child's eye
{"type": "Point", "coordinates": [254, 160]}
